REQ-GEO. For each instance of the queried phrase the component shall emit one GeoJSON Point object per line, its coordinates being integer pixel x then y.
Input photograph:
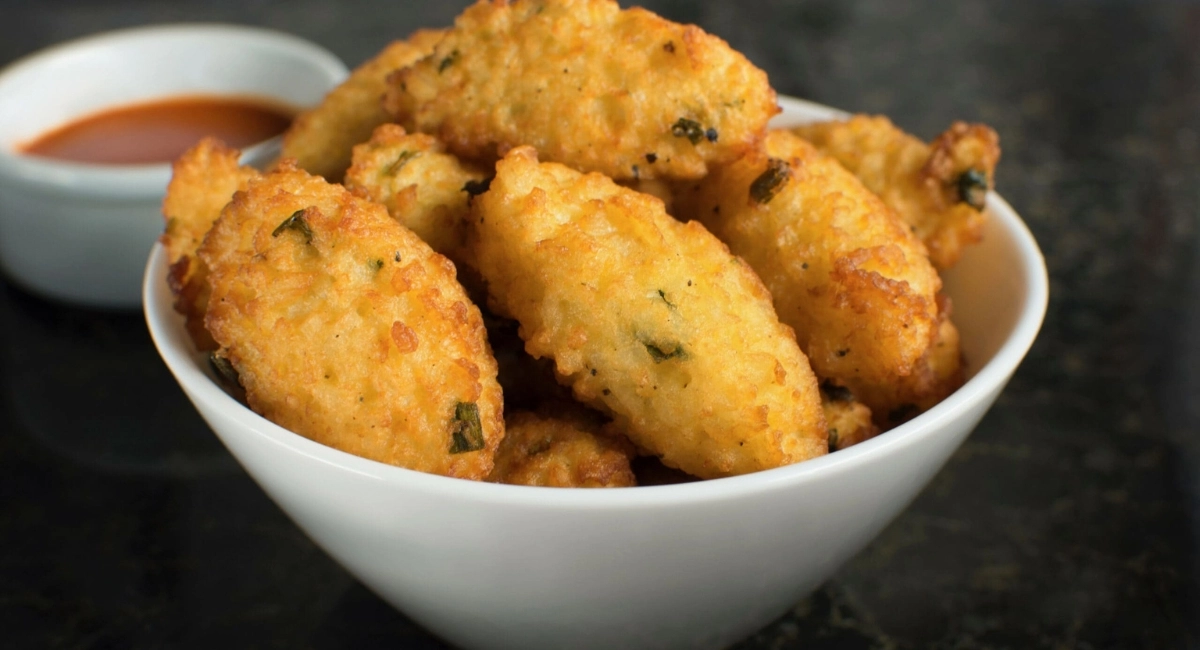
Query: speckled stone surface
{"type": "Point", "coordinates": [1067, 520]}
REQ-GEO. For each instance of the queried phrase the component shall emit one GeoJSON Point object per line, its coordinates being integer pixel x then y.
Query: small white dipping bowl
{"type": "Point", "coordinates": [80, 232]}
{"type": "Point", "coordinates": [696, 565]}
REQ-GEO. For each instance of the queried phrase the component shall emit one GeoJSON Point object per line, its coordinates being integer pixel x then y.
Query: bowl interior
{"type": "Point", "coordinates": [999, 292]}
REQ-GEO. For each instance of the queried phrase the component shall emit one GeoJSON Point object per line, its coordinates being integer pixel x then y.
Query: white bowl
{"type": "Point", "coordinates": [81, 232]}
{"type": "Point", "coordinates": [697, 565]}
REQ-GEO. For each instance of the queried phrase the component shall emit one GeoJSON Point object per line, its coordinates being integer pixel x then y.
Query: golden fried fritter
{"type": "Point", "coordinates": [647, 318]}
{"type": "Point", "coordinates": [422, 186]}
{"type": "Point", "coordinates": [843, 269]}
{"type": "Point", "coordinates": [564, 446]}
{"type": "Point", "coordinates": [344, 327]}
{"type": "Point", "coordinates": [625, 93]}
{"type": "Point", "coordinates": [203, 180]}
{"type": "Point", "coordinates": [938, 188]}
{"type": "Point", "coordinates": [320, 138]}
{"type": "Point", "coordinates": [849, 421]}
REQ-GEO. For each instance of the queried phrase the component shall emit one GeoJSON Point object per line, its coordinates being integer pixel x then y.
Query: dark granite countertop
{"type": "Point", "coordinates": [1067, 520]}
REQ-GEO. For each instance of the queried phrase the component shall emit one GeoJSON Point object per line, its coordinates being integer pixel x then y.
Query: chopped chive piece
{"type": "Point", "coordinates": [466, 432]}
{"type": "Point", "coordinates": [973, 187]}
{"type": "Point", "coordinates": [767, 185]}
{"type": "Point", "coordinates": [661, 353]}
{"type": "Point", "coordinates": [833, 440]}
{"type": "Point", "coordinates": [689, 129]}
{"type": "Point", "coordinates": [402, 161]}
{"type": "Point", "coordinates": [448, 61]}
{"type": "Point", "coordinates": [295, 222]}
{"type": "Point", "coordinates": [376, 265]}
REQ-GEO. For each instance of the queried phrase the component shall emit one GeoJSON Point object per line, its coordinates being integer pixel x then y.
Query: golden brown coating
{"type": "Point", "coordinates": [647, 318]}
{"type": "Point", "coordinates": [422, 186]}
{"type": "Point", "coordinates": [843, 269]}
{"type": "Point", "coordinates": [344, 327]}
{"type": "Point", "coordinates": [938, 188]}
{"type": "Point", "coordinates": [320, 138]}
{"type": "Point", "coordinates": [625, 93]}
{"type": "Point", "coordinates": [203, 180]}
{"type": "Point", "coordinates": [565, 446]}
{"type": "Point", "coordinates": [849, 421]}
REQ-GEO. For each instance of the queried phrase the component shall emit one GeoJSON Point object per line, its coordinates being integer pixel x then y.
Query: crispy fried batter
{"type": "Point", "coordinates": [346, 328]}
{"type": "Point", "coordinates": [938, 188]}
{"type": "Point", "coordinates": [562, 446]}
{"type": "Point", "coordinates": [320, 138]}
{"type": "Point", "coordinates": [647, 318]}
{"type": "Point", "coordinates": [849, 421]}
{"type": "Point", "coordinates": [203, 181]}
{"type": "Point", "coordinates": [625, 93]}
{"type": "Point", "coordinates": [422, 186]}
{"type": "Point", "coordinates": [843, 269]}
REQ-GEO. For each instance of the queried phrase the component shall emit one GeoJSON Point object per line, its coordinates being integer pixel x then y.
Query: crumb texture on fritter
{"type": "Point", "coordinates": [424, 188]}
{"type": "Point", "coordinates": [562, 446]}
{"type": "Point", "coordinates": [649, 319]}
{"type": "Point", "coordinates": [622, 92]}
{"type": "Point", "coordinates": [320, 139]}
{"type": "Point", "coordinates": [344, 327]}
{"type": "Point", "coordinates": [203, 181]}
{"type": "Point", "coordinates": [938, 188]}
{"type": "Point", "coordinates": [844, 271]}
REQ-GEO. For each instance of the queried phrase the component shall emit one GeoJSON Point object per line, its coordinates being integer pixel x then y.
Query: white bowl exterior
{"type": "Point", "coordinates": [699, 565]}
{"type": "Point", "coordinates": [78, 232]}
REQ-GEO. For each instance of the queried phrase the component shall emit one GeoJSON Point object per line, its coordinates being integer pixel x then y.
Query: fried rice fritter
{"type": "Point", "coordinates": [203, 181]}
{"type": "Point", "coordinates": [938, 188]}
{"type": "Point", "coordinates": [843, 269]}
{"type": "Point", "coordinates": [597, 88]}
{"type": "Point", "coordinates": [422, 186]}
{"type": "Point", "coordinates": [344, 327]}
{"type": "Point", "coordinates": [562, 447]}
{"type": "Point", "coordinates": [646, 318]}
{"type": "Point", "coordinates": [320, 139]}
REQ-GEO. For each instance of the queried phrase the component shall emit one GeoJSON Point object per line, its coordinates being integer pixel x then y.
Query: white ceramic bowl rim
{"type": "Point", "coordinates": [125, 180]}
{"type": "Point", "coordinates": [995, 372]}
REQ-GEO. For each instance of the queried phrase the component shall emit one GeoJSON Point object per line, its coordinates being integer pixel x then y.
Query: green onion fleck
{"type": "Point", "coordinates": [466, 433]}
{"type": "Point", "coordinates": [661, 353]}
{"type": "Point", "coordinates": [973, 187]}
{"type": "Point", "coordinates": [448, 61]}
{"type": "Point", "coordinates": [767, 185]}
{"type": "Point", "coordinates": [402, 161]}
{"type": "Point", "coordinates": [690, 129]}
{"type": "Point", "coordinates": [295, 222]}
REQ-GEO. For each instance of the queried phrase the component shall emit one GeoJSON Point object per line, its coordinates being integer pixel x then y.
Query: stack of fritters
{"type": "Point", "coordinates": [606, 179]}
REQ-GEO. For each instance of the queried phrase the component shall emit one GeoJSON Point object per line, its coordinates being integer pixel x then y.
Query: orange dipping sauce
{"type": "Point", "coordinates": [160, 131]}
